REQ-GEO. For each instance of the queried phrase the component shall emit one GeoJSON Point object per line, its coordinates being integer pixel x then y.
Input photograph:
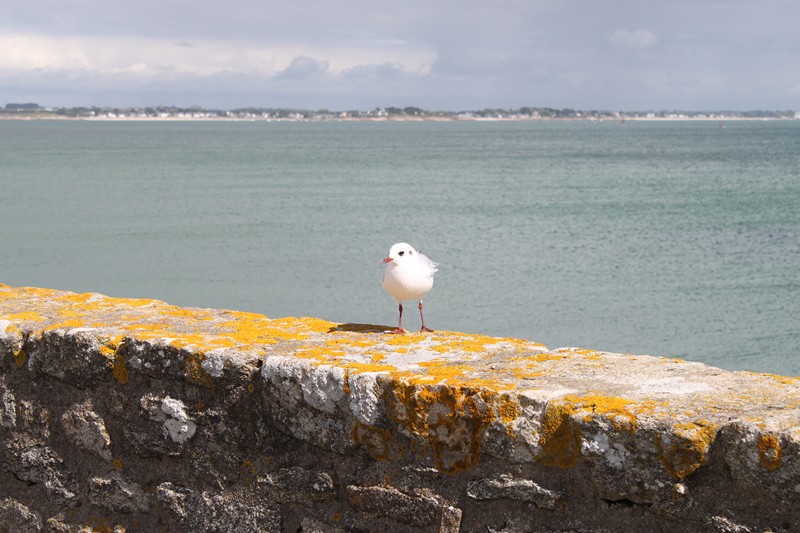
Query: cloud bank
{"type": "Point", "coordinates": [438, 55]}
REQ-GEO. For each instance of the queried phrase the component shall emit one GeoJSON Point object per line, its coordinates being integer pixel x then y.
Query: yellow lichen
{"type": "Point", "coordinates": [375, 440]}
{"type": "Point", "coordinates": [346, 384]}
{"type": "Point", "coordinates": [685, 449]}
{"type": "Point", "coordinates": [350, 342]}
{"type": "Point", "coordinates": [118, 369]}
{"type": "Point", "coordinates": [78, 298]}
{"type": "Point", "coordinates": [497, 385]}
{"type": "Point", "coordinates": [450, 419]}
{"type": "Point", "coordinates": [375, 357]}
{"type": "Point", "coordinates": [441, 371]}
{"type": "Point", "coordinates": [404, 340]}
{"type": "Point", "coordinates": [560, 437]}
{"type": "Point", "coordinates": [193, 365]}
{"type": "Point", "coordinates": [451, 341]}
{"type": "Point", "coordinates": [509, 409]}
{"type": "Point", "coordinates": [769, 452]}
{"type": "Point", "coordinates": [71, 312]}
{"type": "Point", "coordinates": [110, 346]}
{"type": "Point", "coordinates": [524, 373]}
{"type": "Point", "coordinates": [67, 324]}
{"type": "Point", "coordinates": [25, 315]}
{"type": "Point", "coordinates": [20, 357]}
{"type": "Point", "coordinates": [618, 411]}
{"type": "Point", "coordinates": [320, 353]}
{"type": "Point", "coordinates": [582, 351]}
{"type": "Point", "coordinates": [366, 367]}
{"type": "Point", "coordinates": [784, 380]}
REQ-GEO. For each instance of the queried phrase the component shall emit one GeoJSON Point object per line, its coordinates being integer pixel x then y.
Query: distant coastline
{"type": "Point", "coordinates": [53, 117]}
{"type": "Point", "coordinates": [32, 111]}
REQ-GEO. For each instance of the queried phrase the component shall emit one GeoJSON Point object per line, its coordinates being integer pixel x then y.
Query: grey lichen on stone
{"type": "Point", "coordinates": [86, 429]}
{"type": "Point", "coordinates": [297, 484]}
{"type": "Point", "coordinates": [420, 510]}
{"type": "Point", "coordinates": [506, 487]}
{"type": "Point", "coordinates": [202, 511]}
{"type": "Point", "coordinates": [8, 408]}
{"type": "Point", "coordinates": [38, 464]}
{"type": "Point", "coordinates": [178, 425]}
{"type": "Point", "coordinates": [115, 493]}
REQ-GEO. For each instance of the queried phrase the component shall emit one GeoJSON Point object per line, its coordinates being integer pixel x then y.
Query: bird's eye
{"type": "Point", "coordinates": [400, 253]}
{"type": "Point", "coordinates": [410, 252]}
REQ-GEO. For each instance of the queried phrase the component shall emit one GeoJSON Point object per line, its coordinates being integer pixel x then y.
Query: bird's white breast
{"type": "Point", "coordinates": [408, 281]}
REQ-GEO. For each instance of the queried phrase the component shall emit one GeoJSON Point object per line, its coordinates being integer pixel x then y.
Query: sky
{"type": "Point", "coordinates": [449, 55]}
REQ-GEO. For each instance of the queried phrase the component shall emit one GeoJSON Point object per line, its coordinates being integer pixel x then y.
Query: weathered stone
{"type": "Point", "coordinates": [304, 412]}
{"type": "Point", "coordinates": [33, 419]}
{"type": "Point", "coordinates": [198, 511]}
{"type": "Point", "coordinates": [11, 341]}
{"type": "Point", "coordinates": [765, 460]}
{"type": "Point", "coordinates": [86, 429]}
{"type": "Point", "coordinates": [451, 519]}
{"type": "Point", "coordinates": [178, 426]}
{"type": "Point", "coordinates": [221, 419]}
{"type": "Point", "coordinates": [677, 505]}
{"type": "Point", "coordinates": [38, 464]}
{"type": "Point", "coordinates": [58, 524]}
{"type": "Point", "coordinates": [17, 518]}
{"type": "Point", "coordinates": [720, 524]}
{"type": "Point", "coordinates": [506, 487]}
{"type": "Point", "coordinates": [389, 502]}
{"type": "Point", "coordinates": [116, 494]}
{"type": "Point", "coordinates": [72, 355]}
{"type": "Point", "coordinates": [8, 408]}
{"type": "Point", "coordinates": [175, 427]}
{"type": "Point", "coordinates": [310, 525]}
{"type": "Point", "coordinates": [298, 484]}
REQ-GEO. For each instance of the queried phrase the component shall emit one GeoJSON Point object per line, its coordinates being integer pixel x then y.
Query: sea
{"type": "Point", "coordinates": [670, 238]}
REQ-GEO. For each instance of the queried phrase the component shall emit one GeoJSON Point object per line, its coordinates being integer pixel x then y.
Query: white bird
{"type": "Point", "coordinates": [408, 276]}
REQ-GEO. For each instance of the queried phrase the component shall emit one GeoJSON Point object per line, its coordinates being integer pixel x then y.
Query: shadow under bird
{"type": "Point", "coordinates": [408, 276]}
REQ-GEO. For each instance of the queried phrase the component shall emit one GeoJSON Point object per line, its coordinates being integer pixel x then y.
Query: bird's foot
{"type": "Point", "coordinates": [398, 331]}
{"type": "Point", "coordinates": [425, 328]}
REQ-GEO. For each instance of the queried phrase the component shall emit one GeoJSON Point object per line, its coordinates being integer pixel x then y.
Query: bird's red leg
{"type": "Point", "coordinates": [424, 327]}
{"type": "Point", "coordinates": [400, 322]}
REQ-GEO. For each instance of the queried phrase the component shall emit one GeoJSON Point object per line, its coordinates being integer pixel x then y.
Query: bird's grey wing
{"type": "Point", "coordinates": [425, 260]}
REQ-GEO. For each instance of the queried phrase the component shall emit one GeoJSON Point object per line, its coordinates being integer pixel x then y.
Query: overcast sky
{"type": "Point", "coordinates": [434, 54]}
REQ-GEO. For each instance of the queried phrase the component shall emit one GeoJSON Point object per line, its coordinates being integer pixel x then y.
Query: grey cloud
{"type": "Point", "coordinates": [633, 39]}
{"type": "Point", "coordinates": [302, 68]}
{"type": "Point", "coordinates": [382, 71]}
{"type": "Point", "coordinates": [574, 53]}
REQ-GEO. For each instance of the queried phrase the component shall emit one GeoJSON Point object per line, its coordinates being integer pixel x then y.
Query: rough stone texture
{"type": "Point", "coordinates": [134, 415]}
{"type": "Point", "coordinates": [507, 488]}
{"type": "Point", "coordinates": [115, 493]}
{"type": "Point", "coordinates": [85, 429]}
{"type": "Point", "coordinates": [17, 518]}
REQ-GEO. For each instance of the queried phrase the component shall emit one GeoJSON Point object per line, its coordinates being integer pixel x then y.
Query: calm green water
{"type": "Point", "coordinates": [679, 239]}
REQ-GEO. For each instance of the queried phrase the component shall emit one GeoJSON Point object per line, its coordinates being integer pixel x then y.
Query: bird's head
{"type": "Point", "coordinates": [399, 253]}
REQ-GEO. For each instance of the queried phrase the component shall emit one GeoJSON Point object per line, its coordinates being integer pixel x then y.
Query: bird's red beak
{"type": "Point", "coordinates": [387, 260]}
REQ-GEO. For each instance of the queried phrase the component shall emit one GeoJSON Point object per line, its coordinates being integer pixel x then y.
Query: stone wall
{"type": "Point", "coordinates": [134, 415]}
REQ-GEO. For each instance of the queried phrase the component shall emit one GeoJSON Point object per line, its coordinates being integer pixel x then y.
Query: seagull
{"type": "Point", "coordinates": [408, 276]}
